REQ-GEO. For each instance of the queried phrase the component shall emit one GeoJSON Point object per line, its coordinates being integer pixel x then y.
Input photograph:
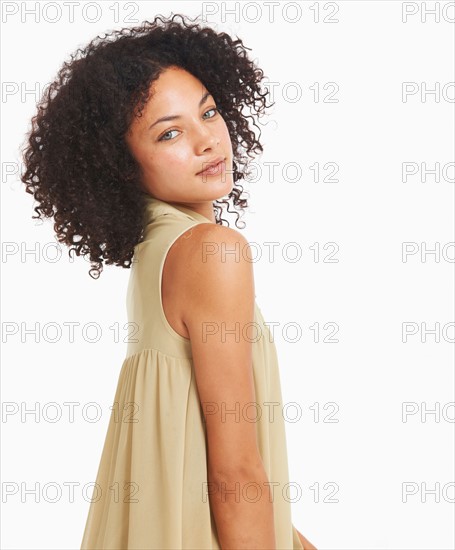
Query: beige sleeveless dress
{"type": "Point", "coordinates": [151, 487]}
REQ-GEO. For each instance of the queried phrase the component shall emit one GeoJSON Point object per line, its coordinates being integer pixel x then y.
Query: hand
{"type": "Point", "coordinates": [305, 542]}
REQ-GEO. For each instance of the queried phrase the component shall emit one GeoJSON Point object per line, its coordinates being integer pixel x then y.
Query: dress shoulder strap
{"type": "Point", "coordinates": [149, 327]}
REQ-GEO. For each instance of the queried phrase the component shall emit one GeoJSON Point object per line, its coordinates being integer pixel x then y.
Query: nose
{"type": "Point", "coordinates": [205, 139]}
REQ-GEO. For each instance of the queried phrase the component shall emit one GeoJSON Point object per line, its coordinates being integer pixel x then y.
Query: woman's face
{"type": "Point", "coordinates": [171, 153]}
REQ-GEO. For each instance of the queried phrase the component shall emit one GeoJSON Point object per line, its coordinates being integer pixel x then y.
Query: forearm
{"type": "Point", "coordinates": [242, 506]}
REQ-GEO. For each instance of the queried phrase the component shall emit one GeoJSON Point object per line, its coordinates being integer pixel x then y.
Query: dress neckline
{"type": "Point", "coordinates": [156, 207]}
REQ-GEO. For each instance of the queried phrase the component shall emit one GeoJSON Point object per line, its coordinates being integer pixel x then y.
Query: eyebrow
{"type": "Point", "coordinates": [173, 117]}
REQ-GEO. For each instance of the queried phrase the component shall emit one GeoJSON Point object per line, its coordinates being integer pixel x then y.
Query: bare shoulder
{"type": "Point", "coordinates": [206, 261]}
{"type": "Point", "coordinates": [202, 236]}
{"type": "Point", "coordinates": [214, 259]}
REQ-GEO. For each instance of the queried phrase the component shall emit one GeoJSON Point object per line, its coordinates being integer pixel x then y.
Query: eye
{"type": "Point", "coordinates": [162, 138]}
{"type": "Point", "coordinates": [165, 134]}
{"type": "Point", "coordinates": [214, 109]}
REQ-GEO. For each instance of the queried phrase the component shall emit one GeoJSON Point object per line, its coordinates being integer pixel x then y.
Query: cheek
{"type": "Point", "coordinates": [166, 164]}
{"type": "Point", "coordinates": [174, 158]}
{"type": "Point", "coordinates": [140, 152]}
{"type": "Point", "coordinates": [226, 136]}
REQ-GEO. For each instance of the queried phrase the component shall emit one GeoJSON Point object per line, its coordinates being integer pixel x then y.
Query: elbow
{"type": "Point", "coordinates": [242, 470]}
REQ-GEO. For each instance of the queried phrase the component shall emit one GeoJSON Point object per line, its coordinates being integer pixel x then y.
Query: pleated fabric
{"type": "Point", "coordinates": [151, 488]}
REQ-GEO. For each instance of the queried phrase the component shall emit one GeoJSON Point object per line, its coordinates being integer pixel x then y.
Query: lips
{"type": "Point", "coordinates": [212, 167]}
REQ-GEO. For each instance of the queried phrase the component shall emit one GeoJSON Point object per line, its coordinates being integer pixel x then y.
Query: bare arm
{"type": "Point", "coordinates": [219, 298]}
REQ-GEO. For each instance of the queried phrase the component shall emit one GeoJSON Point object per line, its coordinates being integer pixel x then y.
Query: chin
{"type": "Point", "coordinates": [222, 188]}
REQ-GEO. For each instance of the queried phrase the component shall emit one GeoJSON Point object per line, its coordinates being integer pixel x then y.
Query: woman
{"type": "Point", "coordinates": [131, 150]}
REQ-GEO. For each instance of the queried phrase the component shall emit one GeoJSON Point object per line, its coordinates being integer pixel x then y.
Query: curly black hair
{"type": "Point", "coordinates": [76, 160]}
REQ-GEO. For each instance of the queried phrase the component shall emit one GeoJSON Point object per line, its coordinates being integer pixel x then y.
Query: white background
{"type": "Point", "coordinates": [352, 472]}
